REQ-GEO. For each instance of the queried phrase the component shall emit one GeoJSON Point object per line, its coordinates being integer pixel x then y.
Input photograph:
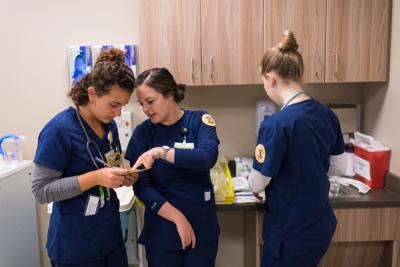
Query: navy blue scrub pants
{"type": "Point", "coordinates": [200, 256]}
{"type": "Point", "coordinates": [117, 258]}
{"type": "Point", "coordinates": [310, 259]}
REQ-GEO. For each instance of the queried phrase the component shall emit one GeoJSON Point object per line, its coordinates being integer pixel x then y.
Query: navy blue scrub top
{"type": "Point", "coordinates": [298, 142]}
{"type": "Point", "coordinates": [73, 237]}
{"type": "Point", "coordinates": [186, 185]}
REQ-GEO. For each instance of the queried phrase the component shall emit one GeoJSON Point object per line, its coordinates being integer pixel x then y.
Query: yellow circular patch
{"type": "Point", "coordinates": [260, 153]}
{"type": "Point", "coordinates": [208, 119]}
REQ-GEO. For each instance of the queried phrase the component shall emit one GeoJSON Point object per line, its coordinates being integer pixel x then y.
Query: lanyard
{"type": "Point", "coordinates": [293, 96]}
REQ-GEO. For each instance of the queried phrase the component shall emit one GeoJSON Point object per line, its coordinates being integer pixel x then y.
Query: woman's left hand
{"type": "Point", "coordinates": [148, 157]}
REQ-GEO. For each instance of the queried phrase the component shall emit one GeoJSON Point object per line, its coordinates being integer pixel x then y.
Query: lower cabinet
{"type": "Point", "coordinates": [367, 237]}
{"type": "Point", "coordinates": [364, 237]}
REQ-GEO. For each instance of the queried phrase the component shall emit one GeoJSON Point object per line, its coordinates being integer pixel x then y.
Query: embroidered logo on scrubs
{"type": "Point", "coordinates": [260, 153]}
{"type": "Point", "coordinates": [208, 119]}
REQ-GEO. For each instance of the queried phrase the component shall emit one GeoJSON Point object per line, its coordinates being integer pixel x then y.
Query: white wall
{"type": "Point", "coordinates": [381, 102]}
{"type": "Point", "coordinates": [233, 108]}
{"type": "Point", "coordinates": [33, 64]}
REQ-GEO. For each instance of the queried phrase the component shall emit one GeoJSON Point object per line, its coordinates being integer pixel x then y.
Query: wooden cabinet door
{"type": "Point", "coordinates": [357, 40]}
{"type": "Point", "coordinates": [232, 41]}
{"type": "Point", "coordinates": [306, 19]}
{"type": "Point", "coordinates": [170, 37]}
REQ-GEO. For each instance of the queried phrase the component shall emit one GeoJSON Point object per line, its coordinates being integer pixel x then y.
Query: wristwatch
{"type": "Point", "coordinates": [165, 152]}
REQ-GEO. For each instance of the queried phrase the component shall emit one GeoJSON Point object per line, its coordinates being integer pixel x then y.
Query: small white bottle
{"type": "Point", "coordinates": [11, 147]}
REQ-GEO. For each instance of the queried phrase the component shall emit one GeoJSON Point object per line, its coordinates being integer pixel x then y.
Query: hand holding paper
{"type": "Point", "coordinates": [135, 170]}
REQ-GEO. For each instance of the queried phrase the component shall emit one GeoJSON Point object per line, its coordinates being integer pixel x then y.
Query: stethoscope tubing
{"type": "Point", "coordinates": [89, 141]}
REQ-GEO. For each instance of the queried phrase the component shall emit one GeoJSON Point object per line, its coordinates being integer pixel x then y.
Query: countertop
{"type": "Point", "coordinates": [389, 196]}
{"type": "Point", "coordinates": [9, 168]}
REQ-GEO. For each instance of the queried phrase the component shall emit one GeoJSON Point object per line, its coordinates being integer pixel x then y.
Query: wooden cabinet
{"type": "Point", "coordinates": [364, 237]}
{"type": "Point", "coordinates": [170, 37]}
{"type": "Point", "coordinates": [340, 40]}
{"type": "Point", "coordinates": [367, 237]}
{"type": "Point", "coordinates": [357, 40]}
{"type": "Point", "coordinates": [203, 41]}
{"type": "Point", "coordinates": [232, 41]}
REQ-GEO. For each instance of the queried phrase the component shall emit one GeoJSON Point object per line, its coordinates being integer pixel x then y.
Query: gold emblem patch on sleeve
{"type": "Point", "coordinates": [208, 119]}
{"type": "Point", "coordinates": [259, 153]}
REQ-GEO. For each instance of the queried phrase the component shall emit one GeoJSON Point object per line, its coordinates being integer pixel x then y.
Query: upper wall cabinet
{"type": "Point", "coordinates": [340, 40]}
{"type": "Point", "coordinates": [203, 41]}
{"type": "Point", "coordinates": [206, 42]}
{"type": "Point", "coordinates": [170, 37]}
{"type": "Point", "coordinates": [307, 20]}
{"type": "Point", "coordinates": [357, 40]}
{"type": "Point", "coordinates": [232, 41]}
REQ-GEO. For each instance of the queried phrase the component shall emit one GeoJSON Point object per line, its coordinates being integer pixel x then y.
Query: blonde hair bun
{"type": "Point", "coordinates": [288, 43]}
{"type": "Point", "coordinates": [111, 55]}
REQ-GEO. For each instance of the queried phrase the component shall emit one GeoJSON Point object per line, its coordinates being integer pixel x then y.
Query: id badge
{"type": "Point", "coordinates": [184, 145]}
{"type": "Point", "coordinates": [113, 158]}
{"type": "Point", "coordinates": [92, 205]}
{"type": "Point", "coordinates": [207, 195]}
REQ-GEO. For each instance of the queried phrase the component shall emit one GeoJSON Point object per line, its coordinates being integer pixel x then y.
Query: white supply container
{"type": "Point", "coordinates": [126, 199]}
{"type": "Point", "coordinates": [19, 244]}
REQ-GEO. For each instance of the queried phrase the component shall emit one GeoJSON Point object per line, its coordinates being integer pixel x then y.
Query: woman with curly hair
{"type": "Point", "coordinates": [84, 225]}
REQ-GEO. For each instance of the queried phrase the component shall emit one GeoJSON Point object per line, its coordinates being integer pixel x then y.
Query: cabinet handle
{"type": "Point", "coordinates": [336, 64]}
{"type": "Point", "coordinates": [211, 68]}
{"type": "Point", "coordinates": [316, 64]}
{"type": "Point", "coordinates": [192, 67]}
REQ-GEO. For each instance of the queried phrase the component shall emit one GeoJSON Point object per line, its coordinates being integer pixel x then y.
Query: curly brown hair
{"type": "Point", "coordinates": [110, 69]}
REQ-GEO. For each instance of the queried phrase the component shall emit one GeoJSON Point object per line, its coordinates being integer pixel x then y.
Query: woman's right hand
{"type": "Point", "coordinates": [185, 232]}
{"type": "Point", "coordinates": [184, 228]}
{"type": "Point", "coordinates": [111, 177]}
{"type": "Point", "coordinates": [147, 158]}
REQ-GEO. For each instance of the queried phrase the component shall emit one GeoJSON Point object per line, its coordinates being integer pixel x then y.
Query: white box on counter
{"type": "Point", "coordinates": [349, 117]}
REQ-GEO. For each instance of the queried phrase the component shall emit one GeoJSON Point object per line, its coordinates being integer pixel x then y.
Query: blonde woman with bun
{"type": "Point", "coordinates": [291, 161]}
{"type": "Point", "coordinates": [84, 225]}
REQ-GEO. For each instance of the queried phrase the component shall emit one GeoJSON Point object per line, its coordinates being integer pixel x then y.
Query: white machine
{"type": "Point", "coordinates": [131, 225]}
{"type": "Point", "coordinates": [19, 245]}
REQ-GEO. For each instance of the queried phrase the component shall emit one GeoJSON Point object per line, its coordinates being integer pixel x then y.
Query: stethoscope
{"type": "Point", "coordinates": [291, 98]}
{"type": "Point", "coordinates": [89, 142]}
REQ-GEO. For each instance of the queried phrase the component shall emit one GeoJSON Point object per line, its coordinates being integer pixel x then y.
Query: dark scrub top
{"type": "Point", "coordinates": [73, 237]}
{"type": "Point", "coordinates": [186, 185]}
{"type": "Point", "coordinates": [297, 143]}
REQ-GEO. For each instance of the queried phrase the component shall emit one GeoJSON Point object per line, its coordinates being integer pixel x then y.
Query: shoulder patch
{"type": "Point", "coordinates": [259, 153]}
{"type": "Point", "coordinates": [208, 119]}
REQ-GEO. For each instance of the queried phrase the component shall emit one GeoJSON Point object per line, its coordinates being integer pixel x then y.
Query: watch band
{"type": "Point", "coordinates": [165, 152]}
